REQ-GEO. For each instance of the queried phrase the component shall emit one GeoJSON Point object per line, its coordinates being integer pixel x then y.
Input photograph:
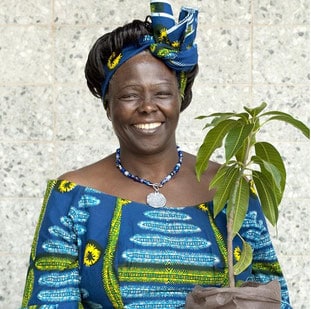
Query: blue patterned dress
{"type": "Point", "coordinates": [94, 250]}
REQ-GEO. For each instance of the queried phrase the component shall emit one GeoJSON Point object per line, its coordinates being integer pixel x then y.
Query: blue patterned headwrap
{"type": "Point", "coordinates": [171, 42]}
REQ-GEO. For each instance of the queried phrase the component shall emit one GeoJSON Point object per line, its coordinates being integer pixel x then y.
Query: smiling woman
{"type": "Point", "coordinates": [143, 103]}
{"type": "Point", "coordinates": [135, 229]}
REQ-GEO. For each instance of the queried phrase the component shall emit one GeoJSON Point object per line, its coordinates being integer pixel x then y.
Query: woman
{"type": "Point", "coordinates": [135, 229]}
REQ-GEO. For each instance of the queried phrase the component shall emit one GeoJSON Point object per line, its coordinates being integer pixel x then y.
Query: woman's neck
{"type": "Point", "coordinates": [150, 166]}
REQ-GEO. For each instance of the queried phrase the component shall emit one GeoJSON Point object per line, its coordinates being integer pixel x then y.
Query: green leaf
{"type": "Point", "coordinates": [218, 117]}
{"type": "Point", "coordinates": [213, 140]}
{"type": "Point", "coordinates": [238, 204]}
{"type": "Point", "coordinates": [235, 139]}
{"type": "Point", "coordinates": [270, 170]}
{"type": "Point", "coordinates": [241, 153]}
{"type": "Point", "coordinates": [223, 188]}
{"type": "Point", "coordinates": [276, 115]}
{"type": "Point", "coordinates": [245, 259]}
{"type": "Point", "coordinates": [267, 197]}
{"type": "Point", "coordinates": [223, 115]}
{"type": "Point", "coordinates": [257, 110]}
{"type": "Point", "coordinates": [219, 176]}
{"type": "Point", "coordinates": [243, 116]}
{"type": "Point", "coordinates": [268, 153]}
{"type": "Point", "coordinates": [201, 117]}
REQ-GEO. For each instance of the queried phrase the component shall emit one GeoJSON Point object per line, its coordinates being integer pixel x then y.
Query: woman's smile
{"type": "Point", "coordinates": [148, 127]}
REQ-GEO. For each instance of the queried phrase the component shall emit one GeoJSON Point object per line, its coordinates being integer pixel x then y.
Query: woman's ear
{"type": "Point", "coordinates": [106, 105]}
{"type": "Point", "coordinates": [108, 112]}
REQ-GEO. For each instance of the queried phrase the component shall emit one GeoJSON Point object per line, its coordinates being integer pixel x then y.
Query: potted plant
{"type": "Point", "coordinates": [249, 163]}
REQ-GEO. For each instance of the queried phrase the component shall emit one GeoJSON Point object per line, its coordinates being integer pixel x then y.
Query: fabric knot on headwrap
{"type": "Point", "coordinates": [171, 42]}
{"type": "Point", "coordinates": [174, 43]}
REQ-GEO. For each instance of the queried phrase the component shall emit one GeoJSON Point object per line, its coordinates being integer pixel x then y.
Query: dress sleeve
{"type": "Point", "coordinates": [53, 274]}
{"type": "Point", "coordinates": [265, 265]}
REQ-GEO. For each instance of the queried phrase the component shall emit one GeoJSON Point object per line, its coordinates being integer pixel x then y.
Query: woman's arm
{"type": "Point", "coordinates": [53, 274]}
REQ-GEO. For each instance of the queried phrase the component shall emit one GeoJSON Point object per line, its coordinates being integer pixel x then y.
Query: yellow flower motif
{"type": "Point", "coordinates": [164, 52]}
{"type": "Point", "coordinates": [152, 47]}
{"type": "Point", "coordinates": [203, 207]}
{"type": "Point", "coordinates": [237, 253]}
{"type": "Point", "coordinates": [65, 186]}
{"type": "Point", "coordinates": [91, 254]}
{"type": "Point", "coordinates": [113, 60]}
{"type": "Point", "coordinates": [175, 44]}
{"type": "Point", "coordinates": [163, 34]}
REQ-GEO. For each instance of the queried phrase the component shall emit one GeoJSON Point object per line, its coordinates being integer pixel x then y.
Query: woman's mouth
{"type": "Point", "coordinates": [147, 126]}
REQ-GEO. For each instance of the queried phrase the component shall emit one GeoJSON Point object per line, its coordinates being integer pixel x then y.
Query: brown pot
{"type": "Point", "coordinates": [249, 295]}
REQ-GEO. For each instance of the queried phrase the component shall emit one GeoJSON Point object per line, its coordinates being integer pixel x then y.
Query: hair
{"type": "Point", "coordinates": [115, 41]}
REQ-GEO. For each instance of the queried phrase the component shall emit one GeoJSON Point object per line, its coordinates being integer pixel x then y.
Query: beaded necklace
{"type": "Point", "coordinates": [154, 199]}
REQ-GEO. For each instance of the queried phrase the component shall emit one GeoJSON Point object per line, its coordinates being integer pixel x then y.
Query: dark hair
{"type": "Point", "coordinates": [115, 41]}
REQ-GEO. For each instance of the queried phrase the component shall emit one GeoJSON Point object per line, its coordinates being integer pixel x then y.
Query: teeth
{"type": "Point", "coordinates": [148, 126]}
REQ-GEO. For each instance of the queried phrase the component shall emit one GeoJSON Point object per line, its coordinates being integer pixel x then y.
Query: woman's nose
{"type": "Point", "coordinates": [147, 104]}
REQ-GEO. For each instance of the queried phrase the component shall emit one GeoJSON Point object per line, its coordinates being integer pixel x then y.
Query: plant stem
{"type": "Point", "coordinates": [230, 254]}
{"type": "Point", "coordinates": [230, 217]}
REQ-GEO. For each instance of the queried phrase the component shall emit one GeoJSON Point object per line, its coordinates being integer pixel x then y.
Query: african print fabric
{"type": "Point", "coordinates": [171, 42]}
{"type": "Point", "coordinates": [93, 250]}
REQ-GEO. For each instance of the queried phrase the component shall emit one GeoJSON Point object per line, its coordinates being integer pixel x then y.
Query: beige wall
{"type": "Point", "coordinates": [250, 50]}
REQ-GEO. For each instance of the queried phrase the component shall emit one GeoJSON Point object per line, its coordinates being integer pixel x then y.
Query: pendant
{"type": "Point", "coordinates": [156, 199]}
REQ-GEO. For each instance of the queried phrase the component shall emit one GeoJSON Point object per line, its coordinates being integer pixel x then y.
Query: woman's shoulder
{"type": "Point", "coordinates": [211, 169]}
{"type": "Point", "coordinates": [200, 186]}
{"type": "Point", "coordinates": [93, 175]}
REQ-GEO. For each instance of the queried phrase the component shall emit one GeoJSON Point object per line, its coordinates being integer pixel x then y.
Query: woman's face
{"type": "Point", "coordinates": [144, 104]}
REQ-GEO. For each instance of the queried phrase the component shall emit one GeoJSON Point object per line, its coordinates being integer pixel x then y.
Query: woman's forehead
{"type": "Point", "coordinates": [144, 65]}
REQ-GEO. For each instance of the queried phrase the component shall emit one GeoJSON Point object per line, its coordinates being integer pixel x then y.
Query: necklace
{"type": "Point", "coordinates": [154, 199]}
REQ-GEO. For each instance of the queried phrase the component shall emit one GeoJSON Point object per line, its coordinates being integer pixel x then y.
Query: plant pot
{"type": "Point", "coordinates": [249, 295]}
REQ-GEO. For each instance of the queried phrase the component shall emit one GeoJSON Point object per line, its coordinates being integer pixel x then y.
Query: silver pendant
{"type": "Point", "coordinates": [156, 199]}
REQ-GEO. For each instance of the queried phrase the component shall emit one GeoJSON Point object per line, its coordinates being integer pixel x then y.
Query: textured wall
{"type": "Point", "coordinates": [250, 50]}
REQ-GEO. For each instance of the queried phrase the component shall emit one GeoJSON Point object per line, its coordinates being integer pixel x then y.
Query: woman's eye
{"type": "Point", "coordinates": [129, 96]}
{"type": "Point", "coordinates": [163, 94]}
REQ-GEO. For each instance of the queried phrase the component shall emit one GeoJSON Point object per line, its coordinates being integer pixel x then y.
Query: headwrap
{"type": "Point", "coordinates": [171, 42]}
